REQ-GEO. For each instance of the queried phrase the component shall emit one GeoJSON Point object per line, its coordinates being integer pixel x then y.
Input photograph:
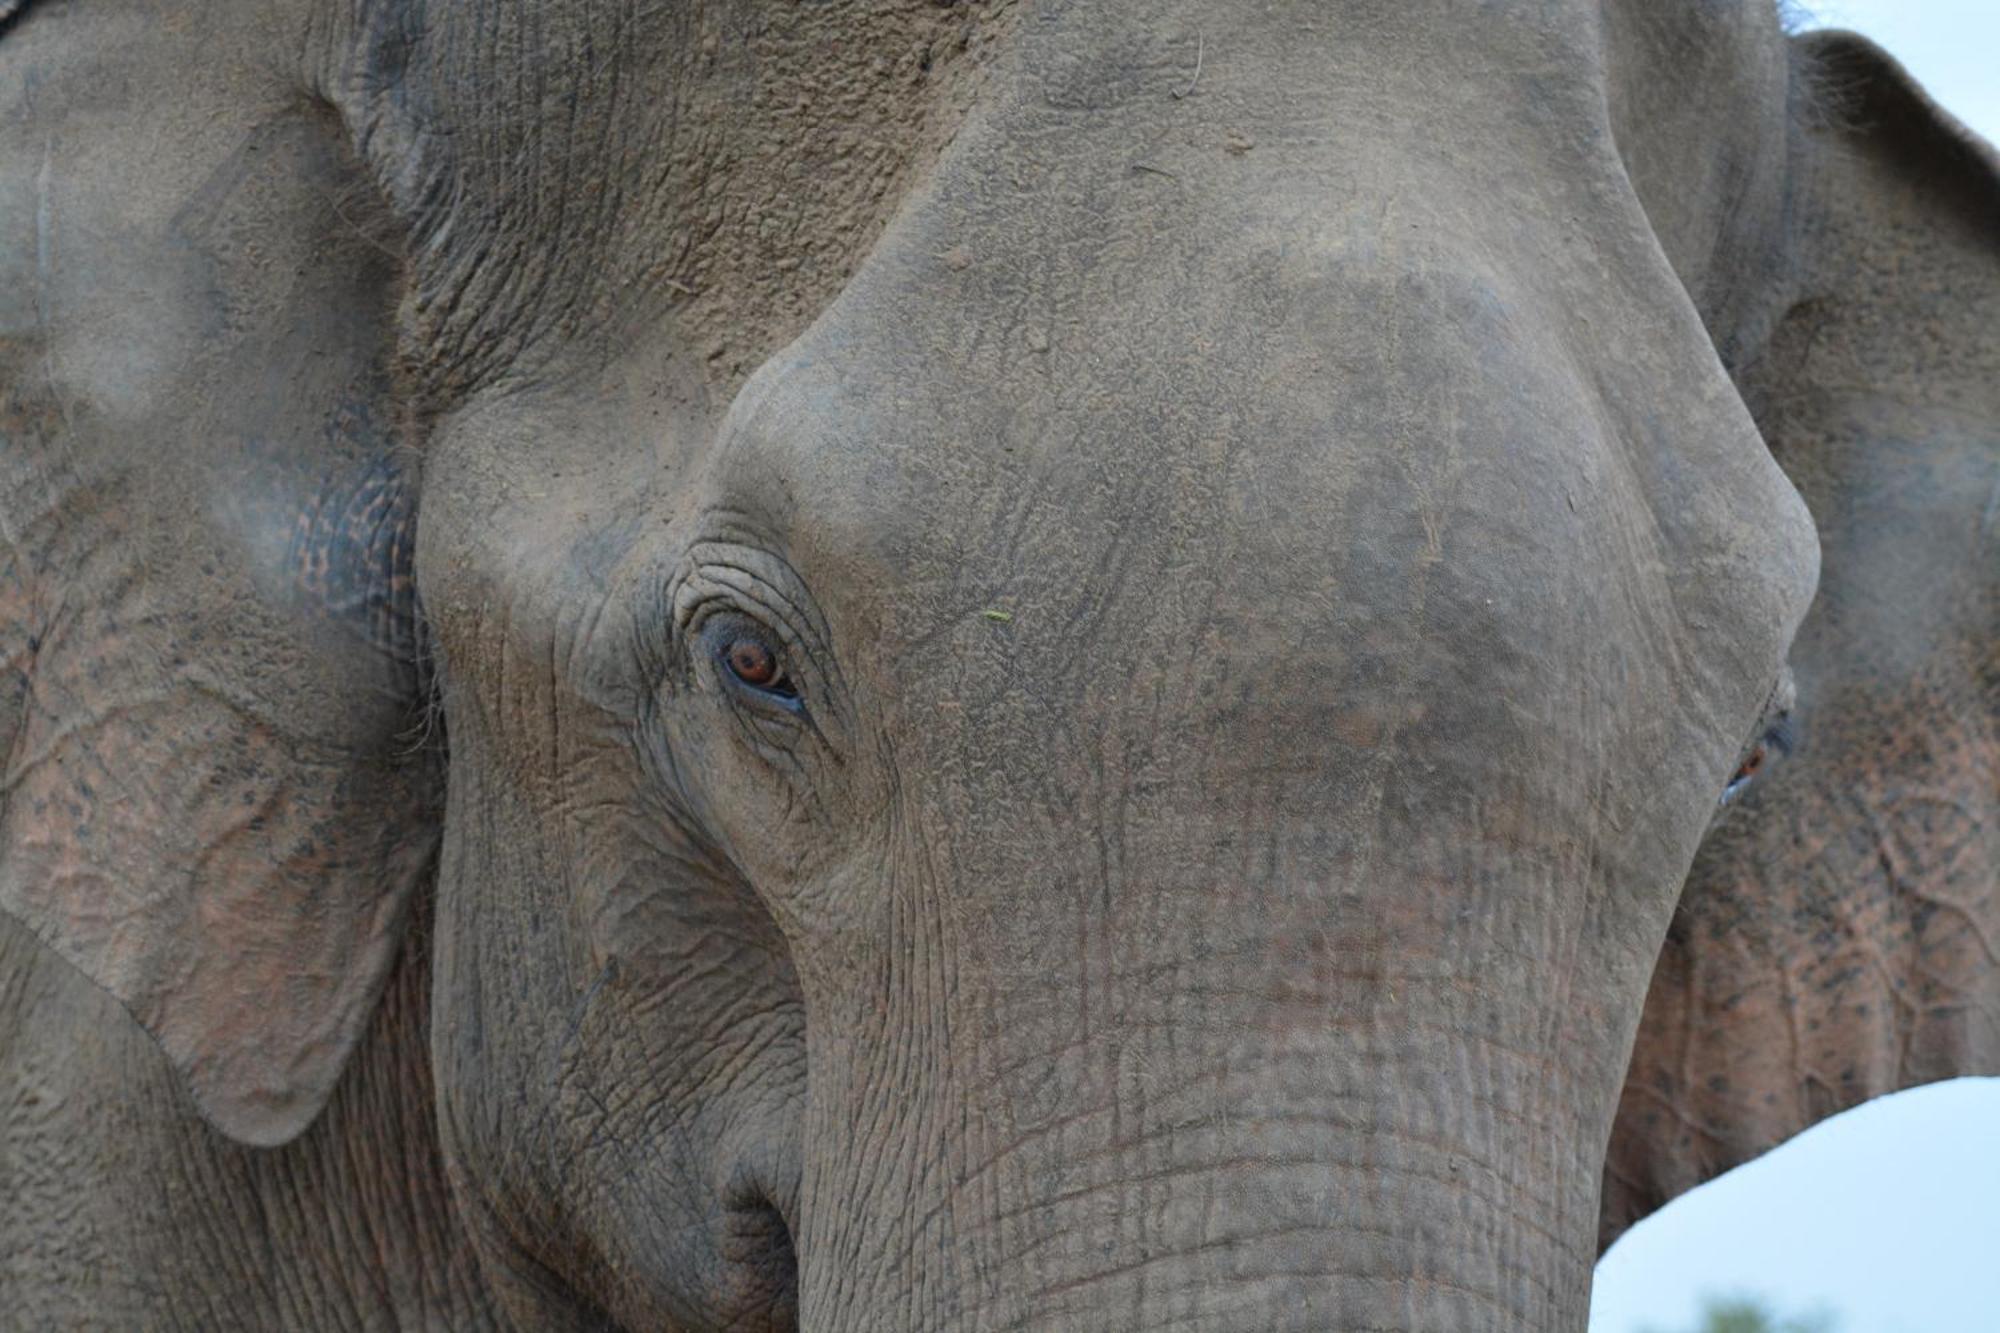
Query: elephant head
{"type": "Point", "coordinates": [1078, 650]}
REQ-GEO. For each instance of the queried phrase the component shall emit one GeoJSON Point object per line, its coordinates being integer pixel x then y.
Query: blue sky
{"type": "Point", "coordinates": [1887, 1217]}
{"type": "Point", "coordinates": [1952, 46]}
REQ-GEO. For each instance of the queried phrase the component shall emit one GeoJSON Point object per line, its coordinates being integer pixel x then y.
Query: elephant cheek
{"type": "Point", "coordinates": [619, 1065]}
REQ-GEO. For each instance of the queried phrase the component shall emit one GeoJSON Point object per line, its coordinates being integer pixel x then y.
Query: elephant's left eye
{"type": "Point", "coordinates": [1776, 734]}
{"type": "Point", "coordinates": [1776, 741]}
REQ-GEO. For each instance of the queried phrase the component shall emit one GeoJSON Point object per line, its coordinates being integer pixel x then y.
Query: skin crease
{"type": "Point", "coordinates": [1261, 522]}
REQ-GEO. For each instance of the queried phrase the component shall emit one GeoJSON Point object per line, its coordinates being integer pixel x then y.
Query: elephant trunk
{"type": "Point", "coordinates": [1210, 1103]}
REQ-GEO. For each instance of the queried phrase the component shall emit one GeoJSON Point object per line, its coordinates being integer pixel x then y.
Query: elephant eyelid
{"type": "Point", "coordinates": [706, 592]}
{"type": "Point", "coordinates": [765, 580]}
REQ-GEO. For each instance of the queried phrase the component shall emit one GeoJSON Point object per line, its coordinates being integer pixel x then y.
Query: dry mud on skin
{"type": "Point", "coordinates": [803, 153]}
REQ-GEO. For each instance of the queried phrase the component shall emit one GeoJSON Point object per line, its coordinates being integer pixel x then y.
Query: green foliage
{"type": "Point", "coordinates": [1747, 1314]}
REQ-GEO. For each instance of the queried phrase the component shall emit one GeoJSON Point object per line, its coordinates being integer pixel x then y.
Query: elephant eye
{"type": "Point", "coordinates": [1776, 741]}
{"type": "Point", "coordinates": [1752, 764]}
{"type": "Point", "coordinates": [1776, 735]}
{"type": "Point", "coordinates": [753, 663]}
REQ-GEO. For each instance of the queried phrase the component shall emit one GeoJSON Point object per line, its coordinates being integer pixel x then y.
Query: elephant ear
{"type": "Point", "coordinates": [216, 801]}
{"type": "Point", "coordinates": [1836, 938]}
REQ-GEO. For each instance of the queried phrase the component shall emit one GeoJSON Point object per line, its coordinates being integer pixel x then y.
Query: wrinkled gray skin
{"type": "Point", "coordinates": [1280, 520]}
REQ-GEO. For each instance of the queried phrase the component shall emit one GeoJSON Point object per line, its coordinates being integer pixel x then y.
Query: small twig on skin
{"type": "Point", "coordinates": [1200, 43]}
{"type": "Point", "coordinates": [360, 232]}
{"type": "Point", "coordinates": [1155, 171]}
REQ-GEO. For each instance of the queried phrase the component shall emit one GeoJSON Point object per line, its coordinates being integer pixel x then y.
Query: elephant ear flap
{"type": "Point", "coordinates": [1898, 208]}
{"type": "Point", "coordinates": [217, 797]}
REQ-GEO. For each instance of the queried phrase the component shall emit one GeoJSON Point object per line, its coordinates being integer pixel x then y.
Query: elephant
{"type": "Point", "coordinates": [1057, 664]}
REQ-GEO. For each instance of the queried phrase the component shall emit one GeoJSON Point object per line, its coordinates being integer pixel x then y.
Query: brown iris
{"type": "Point", "coordinates": [1752, 763]}
{"type": "Point", "coordinates": [752, 663]}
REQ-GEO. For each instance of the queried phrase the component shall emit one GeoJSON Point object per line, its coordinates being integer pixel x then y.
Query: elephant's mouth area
{"type": "Point", "coordinates": [762, 1264]}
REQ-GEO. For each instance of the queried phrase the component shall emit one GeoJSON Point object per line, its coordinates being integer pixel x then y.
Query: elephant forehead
{"type": "Point", "coordinates": [1295, 459]}
{"type": "Point", "coordinates": [1347, 492]}
{"type": "Point", "coordinates": [1318, 386]}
